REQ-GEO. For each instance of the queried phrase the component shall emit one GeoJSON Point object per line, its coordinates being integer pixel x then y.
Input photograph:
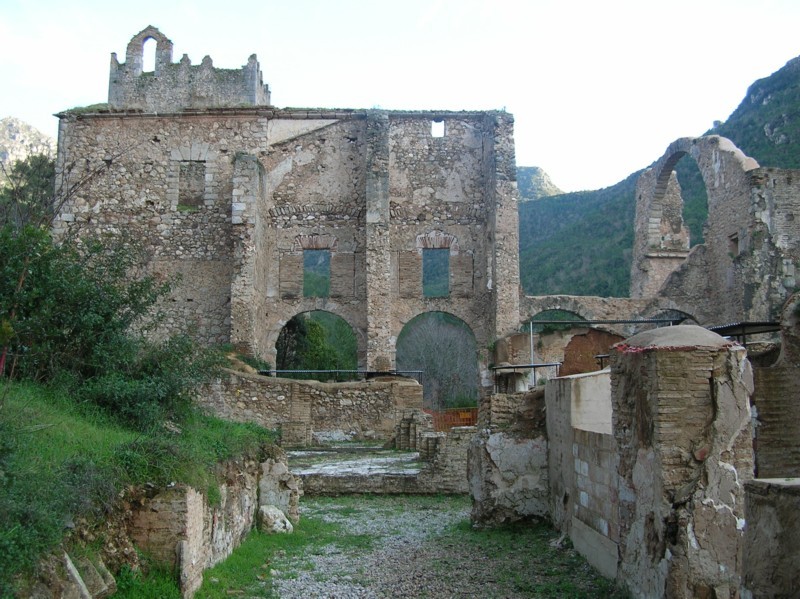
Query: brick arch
{"type": "Point", "coordinates": [437, 240]}
{"type": "Point", "coordinates": [135, 50]}
{"type": "Point", "coordinates": [315, 242]}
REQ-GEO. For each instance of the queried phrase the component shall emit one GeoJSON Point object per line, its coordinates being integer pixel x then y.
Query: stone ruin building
{"type": "Point", "coordinates": [649, 465]}
{"type": "Point", "coordinates": [230, 192]}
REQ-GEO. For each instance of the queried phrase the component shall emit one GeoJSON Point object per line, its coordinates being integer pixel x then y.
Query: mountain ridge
{"type": "Point", "coordinates": [580, 243]}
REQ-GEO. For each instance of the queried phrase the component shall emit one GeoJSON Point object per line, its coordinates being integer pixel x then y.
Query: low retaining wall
{"type": "Point", "coordinates": [310, 411]}
{"type": "Point", "coordinates": [180, 529]}
{"type": "Point", "coordinates": [443, 469]}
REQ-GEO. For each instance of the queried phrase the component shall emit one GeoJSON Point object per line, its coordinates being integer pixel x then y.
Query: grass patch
{"type": "Point", "coordinates": [525, 560]}
{"type": "Point", "coordinates": [518, 560]}
{"type": "Point", "coordinates": [62, 459]}
{"type": "Point", "coordinates": [248, 570]}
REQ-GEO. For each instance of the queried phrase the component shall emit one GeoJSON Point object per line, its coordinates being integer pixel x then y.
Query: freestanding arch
{"type": "Point", "coordinates": [661, 256]}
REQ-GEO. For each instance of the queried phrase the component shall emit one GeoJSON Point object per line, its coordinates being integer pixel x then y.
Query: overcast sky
{"type": "Point", "coordinates": [598, 89]}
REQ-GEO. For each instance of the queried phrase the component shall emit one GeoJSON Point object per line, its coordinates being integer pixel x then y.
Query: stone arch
{"type": "Point", "coordinates": [134, 53]}
{"type": "Point", "coordinates": [572, 304]}
{"type": "Point", "coordinates": [359, 334]}
{"type": "Point", "coordinates": [661, 241]}
{"type": "Point", "coordinates": [674, 313]}
{"type": "Point", "coordinates": [444, 346]}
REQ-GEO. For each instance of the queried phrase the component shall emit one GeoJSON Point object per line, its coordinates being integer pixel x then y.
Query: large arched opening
{"type": "Point", "coordinates": [694, 198]}
{"type": "Point", "coordinates": [443, 347]}
{"type": "Point", "coordinates": [320, 344]}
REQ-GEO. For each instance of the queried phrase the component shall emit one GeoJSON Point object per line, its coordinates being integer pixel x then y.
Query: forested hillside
{"type": "Point", "coordinates": [580, 243]}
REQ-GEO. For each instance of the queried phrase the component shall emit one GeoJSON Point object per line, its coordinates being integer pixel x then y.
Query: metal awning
{"type": "Point", "coordinates": [741, 330]}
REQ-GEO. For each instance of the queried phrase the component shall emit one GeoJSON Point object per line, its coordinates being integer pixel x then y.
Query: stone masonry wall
{"type": "Point", "coordinates": [175, 86]}
{"type": "Point", "coordinates": [507, 464]}
{"type": "Point", "coordinates": [746, 267]}
{"type": "Point", "coordinates": [179, 528]}
{"type": "Point", "coordinates": [358, 411]}
{"type": "Point", "coordinates": [229, 193]}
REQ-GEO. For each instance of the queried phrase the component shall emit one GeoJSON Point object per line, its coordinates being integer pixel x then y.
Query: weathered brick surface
{"type": "Point", "coordinates": [683, 431]}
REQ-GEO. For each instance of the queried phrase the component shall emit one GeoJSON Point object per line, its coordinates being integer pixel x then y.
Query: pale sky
{"type": "Point", "coordinates": [598, 89]}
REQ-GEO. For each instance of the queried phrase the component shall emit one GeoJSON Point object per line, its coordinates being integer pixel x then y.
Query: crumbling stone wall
{"type": "Point", "coordinates": [746, 267]}
{"type": "Point", "coordinates": [682, 427]}
{"type": "Point", "coordinates": [507, 463]}
{"type": "Point", "coordinates": [313, 410]}
{"type": "Point", "coordinates": [179, 85]}
{"type": "Point", "coordinates": [181, 530]}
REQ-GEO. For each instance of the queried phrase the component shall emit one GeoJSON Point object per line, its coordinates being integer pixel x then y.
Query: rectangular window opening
{"type": "Point", "coordinates": [733, 245]}
{"type": "Point", "coordinates": [437, 129]}
{"type": "Point", "coordinates": [316, 273]}
{"type": "Point", "coordinates": [192, 183]}
{"type": "Point", "coordinates": [436, 272]}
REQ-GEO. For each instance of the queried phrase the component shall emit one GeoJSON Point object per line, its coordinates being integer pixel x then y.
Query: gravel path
{"type": "Point", "coordinates": [413, 554]}
{"type": "Point", "coordinates": [401, 528]}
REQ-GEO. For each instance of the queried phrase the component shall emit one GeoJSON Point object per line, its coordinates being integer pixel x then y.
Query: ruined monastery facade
{"type": "Point", "coordinates": [229, 192]}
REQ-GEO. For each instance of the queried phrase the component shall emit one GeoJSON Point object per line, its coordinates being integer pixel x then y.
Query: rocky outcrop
{"type": "Point", "coordinates": [18, 140]}
{"type": "Point", "coordinates": [534, 183]}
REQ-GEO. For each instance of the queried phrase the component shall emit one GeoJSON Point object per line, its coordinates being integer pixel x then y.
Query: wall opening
{"type": "Point", "coordinates": [192, 183]}
{"type": "Point", "coordinates": [317, 340]}
{"type": "Point", "coordinates": [555, 314]}
{"type": "Point", "coordinates": [695, 198]}
{"type": "Point", "coordinates": [733, 245]}
{"type": "Point", "coordinates": [436, 272]}
{"type": "Point", "coordinates": [437, 129]}
{"type": "Point", "coordinates": [444, 348]}
{"type": "Point", "coordinates": [149, 55]}
{"type": "Point", "coordinates": [316, 273]}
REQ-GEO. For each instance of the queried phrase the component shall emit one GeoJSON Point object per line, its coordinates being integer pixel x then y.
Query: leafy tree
{"type": "Point", "coordinates": [444, 348]}
{"type": "Point", "coordinates": [316, 341]}
{"type": "Point", "coordinates": [26, 196]}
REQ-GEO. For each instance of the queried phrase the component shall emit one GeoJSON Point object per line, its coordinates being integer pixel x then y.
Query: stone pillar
{"type": "Point", "coordinates": [247, 189]}
{"type": "Point", "coordinates": [682, 425]}
{"type": "Point", "coordinates": [505, 227]}
{"type": "Point", "coordinates": [661, 241]}
{"type": "Point", "coordinates": [380, 350]}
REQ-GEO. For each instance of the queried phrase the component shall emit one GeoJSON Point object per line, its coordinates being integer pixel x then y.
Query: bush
{"type": "Point", "coordinates": [77, 312]}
